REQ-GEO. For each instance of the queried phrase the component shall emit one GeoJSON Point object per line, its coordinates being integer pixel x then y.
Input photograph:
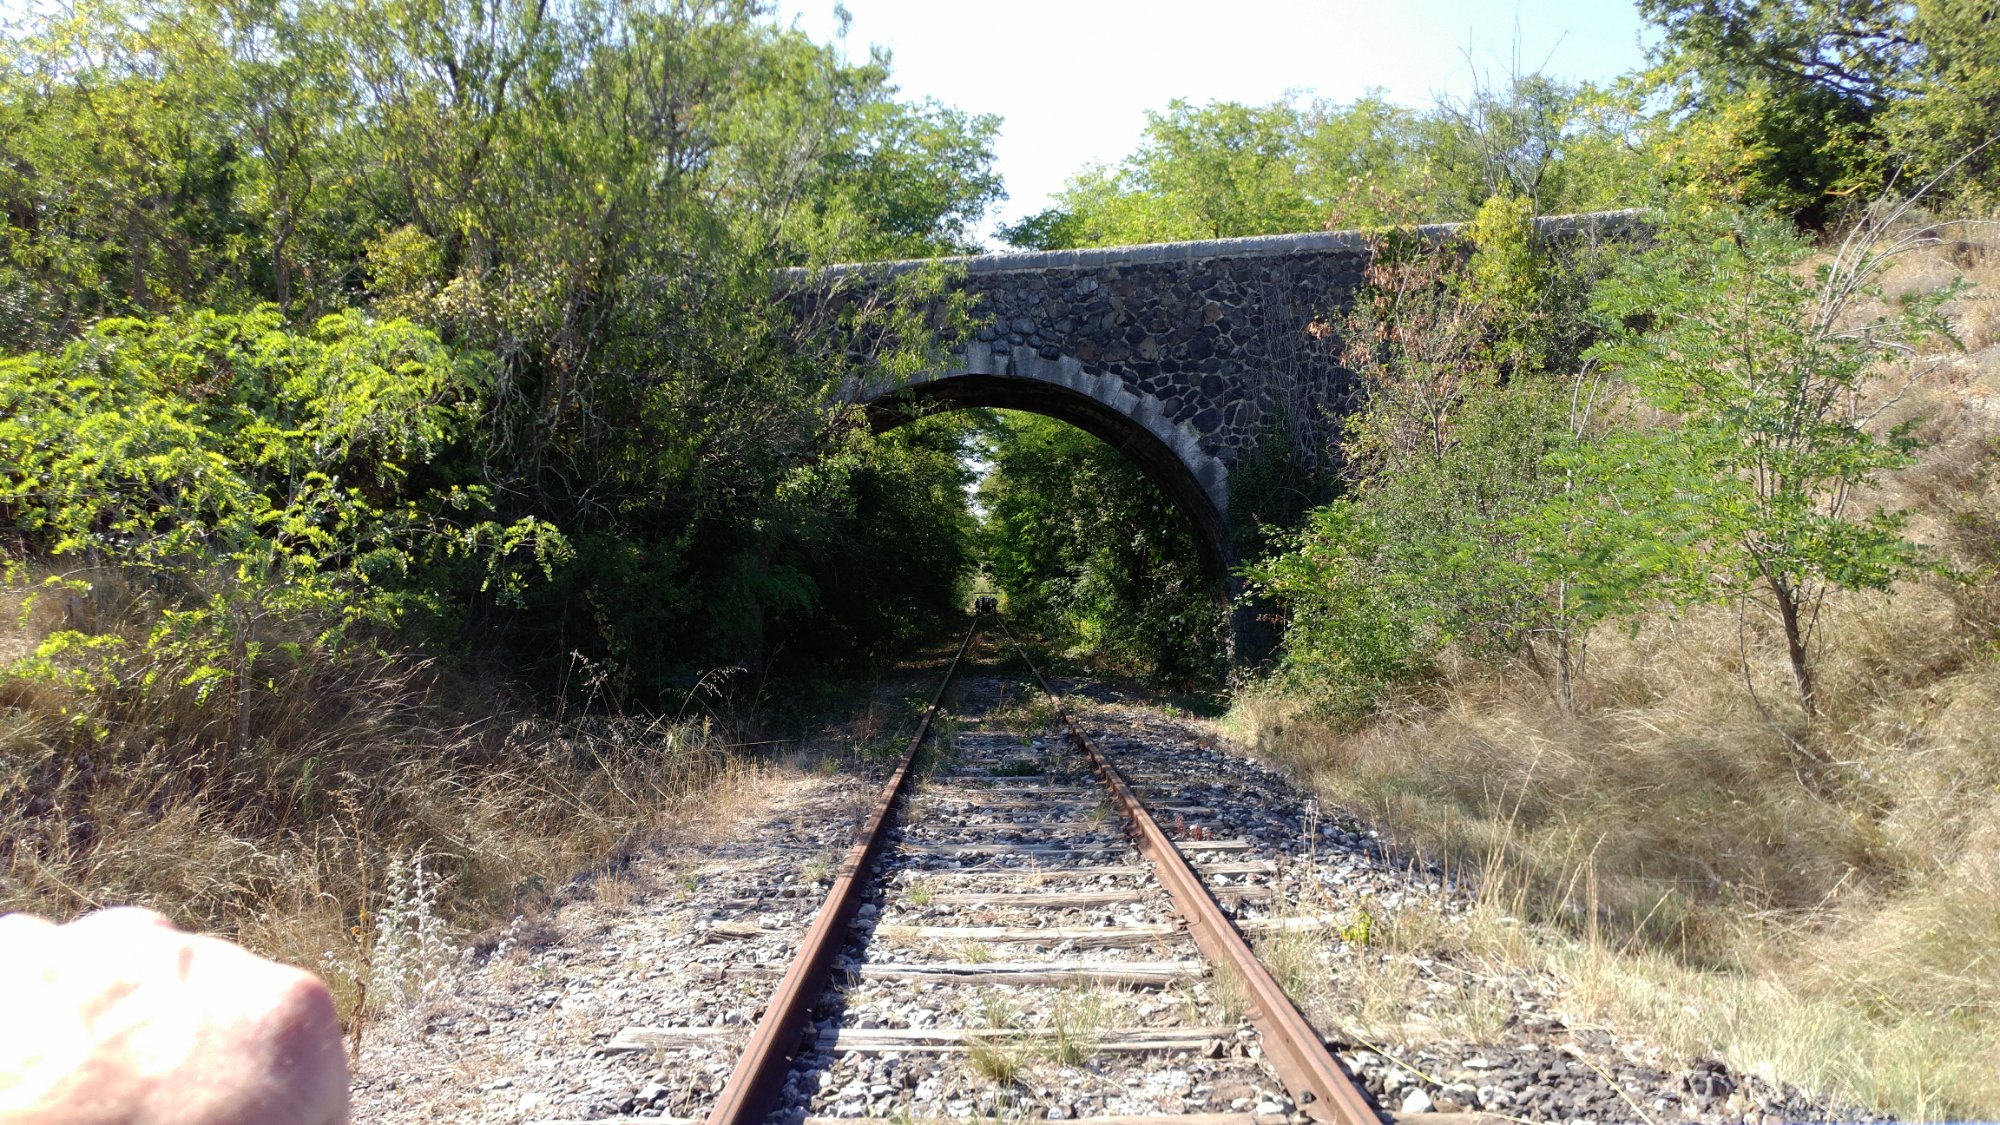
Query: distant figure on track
{"type": "Point", "coordinates": [119, 1018]}
{"type": "Point", "coordinates": [986, 603]}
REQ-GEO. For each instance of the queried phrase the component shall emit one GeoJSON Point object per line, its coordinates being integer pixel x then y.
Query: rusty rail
{"type": "Point", "coordinates": [1319, 1085]}
{"type": "Point", "coordinates": [759, 1076]}
{"type": "Point", "coordinates": [1316, 1080]}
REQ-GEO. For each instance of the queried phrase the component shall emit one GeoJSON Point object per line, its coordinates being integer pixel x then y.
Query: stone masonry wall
{"type": "Point", "coordinates": [1200, 345]}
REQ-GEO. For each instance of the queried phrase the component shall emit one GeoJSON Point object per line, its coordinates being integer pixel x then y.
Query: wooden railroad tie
{"type": "Point", "coordinates": [937, 1040]}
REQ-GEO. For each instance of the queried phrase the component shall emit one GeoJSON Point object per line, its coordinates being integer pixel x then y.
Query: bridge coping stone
{"type": "Point", "coordinates": [1252, 246]}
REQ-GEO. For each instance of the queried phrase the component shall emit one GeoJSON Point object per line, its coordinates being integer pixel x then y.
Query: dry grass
{"type": "Point", "coordinates": [1077, 1024]}
{"type": "Point", "coordinates": [1838, 921]}
{"type": "Point", "coordinates": [997, 1060]}
{"type": "Point", "coordinates": [1416, 972]}
{"type": "Point", "coordinates": [134, 792]}
{"type": "Point", "coordinates": [1819, 901]}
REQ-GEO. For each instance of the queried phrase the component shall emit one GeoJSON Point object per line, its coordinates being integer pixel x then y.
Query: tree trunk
{"type": "Point", "coordinates": [281, 265]}
{"type": "Point", "coordinates": [1795, 645]}
{"type": "Point", "coordinates": [240, 694]}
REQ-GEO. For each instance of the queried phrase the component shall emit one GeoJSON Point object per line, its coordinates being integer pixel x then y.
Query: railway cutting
{"type": "Point", "coordinates": [990, 935]}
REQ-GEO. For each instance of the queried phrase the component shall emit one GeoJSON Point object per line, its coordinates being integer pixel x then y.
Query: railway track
{"type": "Point", "coordinates": [1015, 935]}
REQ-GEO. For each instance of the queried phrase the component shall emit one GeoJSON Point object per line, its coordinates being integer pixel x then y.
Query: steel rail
{"type": "Point", "coordinates": [1318, 1083]}
{"type": "Point", "coordinates": [759, 1077]}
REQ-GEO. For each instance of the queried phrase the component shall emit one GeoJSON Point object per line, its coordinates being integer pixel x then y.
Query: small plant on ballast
{"type": "Point", "coordinates": [816, 869]}
{"type": "Point", "coordinates": [996, 1058]}
{"type": "Point", "coordinates": [413, 950]}
{"type": "Point", "coordinates": [1078, 1024]}
{"type": "Point", "coordinates": [1361, 930]}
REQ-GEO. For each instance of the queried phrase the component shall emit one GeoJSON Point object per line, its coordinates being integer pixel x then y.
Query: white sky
{"type": "Point", "coordinates": [1073, 78]}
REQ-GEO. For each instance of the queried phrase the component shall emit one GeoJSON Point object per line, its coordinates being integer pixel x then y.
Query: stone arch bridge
{"type": "Point", "coordinates": [1190, 357]}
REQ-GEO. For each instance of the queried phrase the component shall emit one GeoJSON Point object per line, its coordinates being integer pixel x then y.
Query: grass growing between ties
{"type": "Point", "coordinates": [997, 1059]}
{"type": "Point", "coordinates": [1077, 1024]}
{"type": "Point", "coordinates": [1024, 708]}
{"type": "Point", "coordinates": [1067, 1033]}
{"type": "Point", "coordinates": [920, 892]}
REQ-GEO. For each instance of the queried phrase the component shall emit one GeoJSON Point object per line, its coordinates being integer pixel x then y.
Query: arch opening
{"type": "Point", "coordinates": [1198, 503]}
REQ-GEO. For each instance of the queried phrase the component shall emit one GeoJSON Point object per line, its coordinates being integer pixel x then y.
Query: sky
{"type": "Point", "coordinates": [1073, 79]}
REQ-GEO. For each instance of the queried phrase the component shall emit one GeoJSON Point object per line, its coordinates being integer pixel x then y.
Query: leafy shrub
{"type": "Point", "coordinates": [1448, 533]}
{"type": "Point", "coordinates": [247, 475]}
{"type": "Point", "coordinates": [1761, 377]}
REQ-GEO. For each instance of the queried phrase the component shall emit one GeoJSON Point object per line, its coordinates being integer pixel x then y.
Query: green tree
{"type": "Point", "coordinates": [260, 481]}
{"type": "Point", "coordinates": [1803, 105]}
{"type": "Point", "coordinates": [1221, 170]}
{"type": "Point", "coordinates": [592, 195]}
{"type": "Point", "coordinates": [1764, 372]}
{"type": "Point", "coordinates": [883, 532]}
{"type": "Point", "coordinates": [1365, 161]}
{"type": "Point", "coordinates": [1225, 170]}
{"type": "Point", "coordinates": [1944, 128]}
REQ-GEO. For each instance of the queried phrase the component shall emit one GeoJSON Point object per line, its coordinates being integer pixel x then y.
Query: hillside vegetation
{"type": "Point", "coordinates": [1814, 895]}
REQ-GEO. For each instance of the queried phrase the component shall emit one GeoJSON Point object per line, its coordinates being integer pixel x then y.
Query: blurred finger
{"type": "Point", "coordinates": [122, 918]}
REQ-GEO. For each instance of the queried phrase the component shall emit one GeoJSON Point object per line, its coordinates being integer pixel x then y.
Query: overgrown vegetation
{"type": "Point", "coordinates": [1658, 585]}
{"type": "Point", "coordinates": [1810, 107]}
{"type": "Point", "coordinates": [1452, 529]}
{"type": "Point", "coordinates": [1754, 818]}
{"type": "Point", "coordinates": [1732, 501]}
{"type": "Point", "coordinates": [581, 208]}
{"type": "Point", "coordinates": [1225, 170]}
{"type": "Point", "coordinates": [399, 448]}
{"type": "Point", "coordinates": [1093, 556]}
